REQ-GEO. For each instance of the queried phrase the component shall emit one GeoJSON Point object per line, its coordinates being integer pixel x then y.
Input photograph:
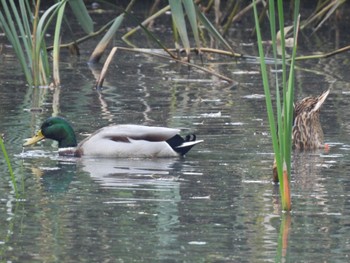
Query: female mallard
{"type": "Point", "coordinates": [116, 141]}
{"type": "Point", "coordinates": [307, 133]}
{"type": "Point", "coordinates": [307, 130]}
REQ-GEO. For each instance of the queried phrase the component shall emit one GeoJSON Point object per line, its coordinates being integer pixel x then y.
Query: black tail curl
{"type": "Point", "coordinates": [176, 142]}
{"type": "Point", "coordinates": [190, 138]}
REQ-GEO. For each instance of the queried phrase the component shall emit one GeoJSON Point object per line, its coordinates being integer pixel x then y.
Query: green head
{"type": "Point", "coordinates": [57, 129]}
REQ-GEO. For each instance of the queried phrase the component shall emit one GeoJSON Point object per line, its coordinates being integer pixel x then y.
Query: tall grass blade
{"type": "Point", "coordinates": [152, 36]}
{"type": "Point", "coordinates": [40, 72]}
{"type": "Point", "coordinates": [56, 45]}
{"type": "Point", "coordinates": [146, 21]}
{"type": "Point", "coordinates": [8, 26]}
{"type": "Point", "coordinates": [40, 60]}
{"type": "Point", "coordinates": [178, 16]}
{"type": "Point", "coordinates": [102, 45]}
{"type": "Point", "coordinates": [24, 14]}
{"type": "Point", "coordinates": [192, 17]}
{"type": "Point", "coordinates": [82, 14]}
{"type": "Point", "coordinates": [102, 76]}
{"type": "Point", "coordinates": [281, 140]}
{"type": "Point", "coordinates": [273, 31]}
{"type": "Point", "coordinates": [9, 166]}
{"type": "Point", "coordinates": [23, 27]}
{"type": "Point", "coordinates": [333, 9]}
{"type": "Point", "coordinates": [175, 36]}
{"type": "Point", "coordinates": [211, 29]}
{"type": "Point", "coordinates": [264, 74]}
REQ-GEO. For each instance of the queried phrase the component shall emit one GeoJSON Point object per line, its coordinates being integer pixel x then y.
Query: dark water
{"type": "Point", "coordinates": [215, 205]}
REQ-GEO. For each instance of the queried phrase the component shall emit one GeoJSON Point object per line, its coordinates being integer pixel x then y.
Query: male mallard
{"type": "Point", "coordinates": [116, 141]}
{"type": "Point", "coordinates": [307, 133]}
{"type": "Point", "coordinates": [307, 130]}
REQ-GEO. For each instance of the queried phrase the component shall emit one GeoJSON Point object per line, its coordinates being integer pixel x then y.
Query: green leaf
{"type": "Point", "coordinates": [56, 45]}
{"type": "Point", "coordinates": [81, 13]}
{"type": "Point", "coordinates": [192, 17]}
{"type": "Point", "coordinates": [102, 45]}
{"type": "Point", "coordinates": [179, 20]}
{"type": "Point", "coordinates": [9, 166]}
{"type": "Point", "coordinates": [282, 142]}
{"type": "Point", "coordinates": [39, 65]}
{"type": "Point", "coordinates": [268, 101]}
{"type": "Point", "coordinates": [212, 30]}
{"type": "Point", "coordinates": [12, 35]}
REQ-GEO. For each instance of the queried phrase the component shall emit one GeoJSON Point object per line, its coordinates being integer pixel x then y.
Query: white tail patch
{"type": "Point", "coordinates": [186, 144]}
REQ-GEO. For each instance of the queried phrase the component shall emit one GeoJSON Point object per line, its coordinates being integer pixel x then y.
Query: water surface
{"type": "Point", "coordinates": [215, 205]}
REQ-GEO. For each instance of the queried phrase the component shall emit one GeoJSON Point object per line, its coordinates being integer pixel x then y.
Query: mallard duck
{"type": "Point", "coordinates": [307, 129]}
{"type": "Point", "coordinates": [116, 141]}
{"type": "Point", "coordinates": [307, 133]}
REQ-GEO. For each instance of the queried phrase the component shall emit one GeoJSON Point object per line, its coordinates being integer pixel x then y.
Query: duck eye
{"type": "Point", "coordinates": [46, 124]}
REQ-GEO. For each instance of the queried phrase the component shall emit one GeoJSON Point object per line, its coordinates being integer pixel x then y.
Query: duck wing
{"type": "Point", "coordinates": [134, 141]}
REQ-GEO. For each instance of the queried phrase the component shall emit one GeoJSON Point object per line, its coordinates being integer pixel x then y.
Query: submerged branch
{"type": "Point", "coordinates": [105, 67]}
{"type": "Point", "coordinates": [146, 51]}
{"type": "Point", "coordinates": [83, 39]}
{"type": "Point", "coordinates": [324, 55]}
{"type": "Point", "coordinates": [145, 22]}
{"type": "Point", "coordinates": [212, 50]}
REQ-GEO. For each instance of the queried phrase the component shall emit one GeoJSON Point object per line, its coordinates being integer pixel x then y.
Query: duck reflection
{"type": "Point", "coordinates": [147, 190]}
{"type": "Point", "coordinates": [55, 179]}
{"type": "Point", "coordinates": [307, 168]}
{"type": "Point", "coordinates": [135, 196]}
{"type": "Point", "coordinates": [111, 173]}
{"type": "Point", "coordinates": [309, 182]}
{"type": "Point", "coordinates": [52, 173]}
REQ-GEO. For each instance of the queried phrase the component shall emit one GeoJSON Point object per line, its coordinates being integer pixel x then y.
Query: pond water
{"type": "Point", "coordinates": [215, 205]}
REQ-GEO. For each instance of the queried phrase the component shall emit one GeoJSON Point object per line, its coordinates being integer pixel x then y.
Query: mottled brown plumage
{"type": "Point", "coordinates": [307, 130]}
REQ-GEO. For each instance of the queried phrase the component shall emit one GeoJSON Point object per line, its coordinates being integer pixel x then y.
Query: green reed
{"type": "Point", "coordinates": [9, 166]}
{"type": "Point", "coordinates": [26, 31]}
{"type": "Point", "coordinates": [280, 118]}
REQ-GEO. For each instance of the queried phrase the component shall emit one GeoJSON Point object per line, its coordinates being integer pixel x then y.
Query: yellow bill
{"type": "Point", "coordinates": [36, 138]}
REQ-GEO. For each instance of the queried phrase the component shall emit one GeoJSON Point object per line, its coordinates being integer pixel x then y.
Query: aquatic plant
{"type": "Point", "coordinates": [228, 12]}
{"type": "Point", "coordinates": [19, 21]}
{"type": "Point", "coordinates": [26, 29]}
{"type": "Point", "coordinates": [9, 166]}
{"type": "Point", "coordinates": [26, 32]}
{"type": "Point", "coordinates": [280, 118]}
{"type": "Point", "coordinates": [283, 237]}
{"type": "Point", "coordinates": [107, 38]}
{"type": "Point", "coordinates": [179, 11]}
